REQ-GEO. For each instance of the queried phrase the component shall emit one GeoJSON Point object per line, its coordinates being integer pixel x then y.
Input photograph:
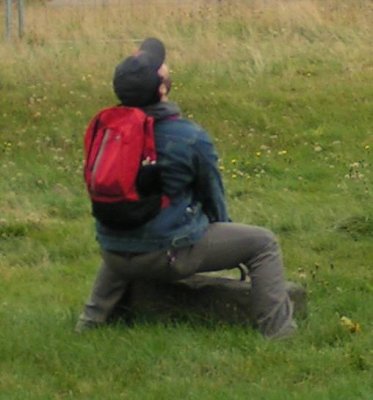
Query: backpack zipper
{"type": "Point", "coordinates": [98, 159]}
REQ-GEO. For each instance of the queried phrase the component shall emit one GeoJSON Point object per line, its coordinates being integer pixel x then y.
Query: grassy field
{"type": "Point", "coordinates": [285, 89]}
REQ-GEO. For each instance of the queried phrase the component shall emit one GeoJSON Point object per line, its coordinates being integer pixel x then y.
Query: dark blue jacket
{"type": "Point", "coordinates": [190, 178]}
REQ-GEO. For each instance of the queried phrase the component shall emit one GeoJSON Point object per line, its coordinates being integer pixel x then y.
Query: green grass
{"type": "Point", "coordinates": [286, 93]}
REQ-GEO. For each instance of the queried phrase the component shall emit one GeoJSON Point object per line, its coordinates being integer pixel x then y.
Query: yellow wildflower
{"type": "Point", "coordinates": [353, 327]}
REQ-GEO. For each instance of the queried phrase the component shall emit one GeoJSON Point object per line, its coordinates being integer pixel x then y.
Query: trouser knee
{"type": "Point", "coordinates": [267, 240]}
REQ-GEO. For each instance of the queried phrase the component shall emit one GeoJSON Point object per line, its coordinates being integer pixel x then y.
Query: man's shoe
{"type": "Point", "coordinates": [298, 297]}
{"type": "Point", "coordinates": [84, 325]}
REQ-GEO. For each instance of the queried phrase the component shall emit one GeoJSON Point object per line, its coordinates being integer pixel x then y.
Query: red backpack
{"type": "Point", "coordinates": [120, 170]}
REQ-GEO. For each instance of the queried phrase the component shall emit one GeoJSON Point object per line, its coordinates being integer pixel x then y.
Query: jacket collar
{"type": "Point", "coordinates": [162, 110]}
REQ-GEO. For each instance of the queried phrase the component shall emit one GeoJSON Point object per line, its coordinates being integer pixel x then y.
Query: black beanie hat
{"type": "Point", "coordinates": [136, 80]}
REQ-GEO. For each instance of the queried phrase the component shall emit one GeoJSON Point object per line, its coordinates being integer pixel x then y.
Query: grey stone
{"type": "Point", "coordinates": [201, 297]}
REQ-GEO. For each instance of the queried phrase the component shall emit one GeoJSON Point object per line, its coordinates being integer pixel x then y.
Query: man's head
{"type": "Point", "coordinates": [143, 78]}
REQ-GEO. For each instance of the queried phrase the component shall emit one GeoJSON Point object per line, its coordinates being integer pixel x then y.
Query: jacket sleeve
{"type": "Point", "coordinates": [209, 189]}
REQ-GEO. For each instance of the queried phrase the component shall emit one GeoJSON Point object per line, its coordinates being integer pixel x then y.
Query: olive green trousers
{"type": "Point", "coordinates": [224, 246]}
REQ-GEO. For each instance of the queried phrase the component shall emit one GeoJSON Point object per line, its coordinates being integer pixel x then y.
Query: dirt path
{"type": "Point", "coordinates": [80, 2]}
{"type": "Point", "coordinates": [106, 2]}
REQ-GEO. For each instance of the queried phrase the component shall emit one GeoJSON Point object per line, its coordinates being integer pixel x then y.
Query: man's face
{"type": "Point", "coordinates": [164, 74]}
{"type": "Point", "coordinates": [163, 71]}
